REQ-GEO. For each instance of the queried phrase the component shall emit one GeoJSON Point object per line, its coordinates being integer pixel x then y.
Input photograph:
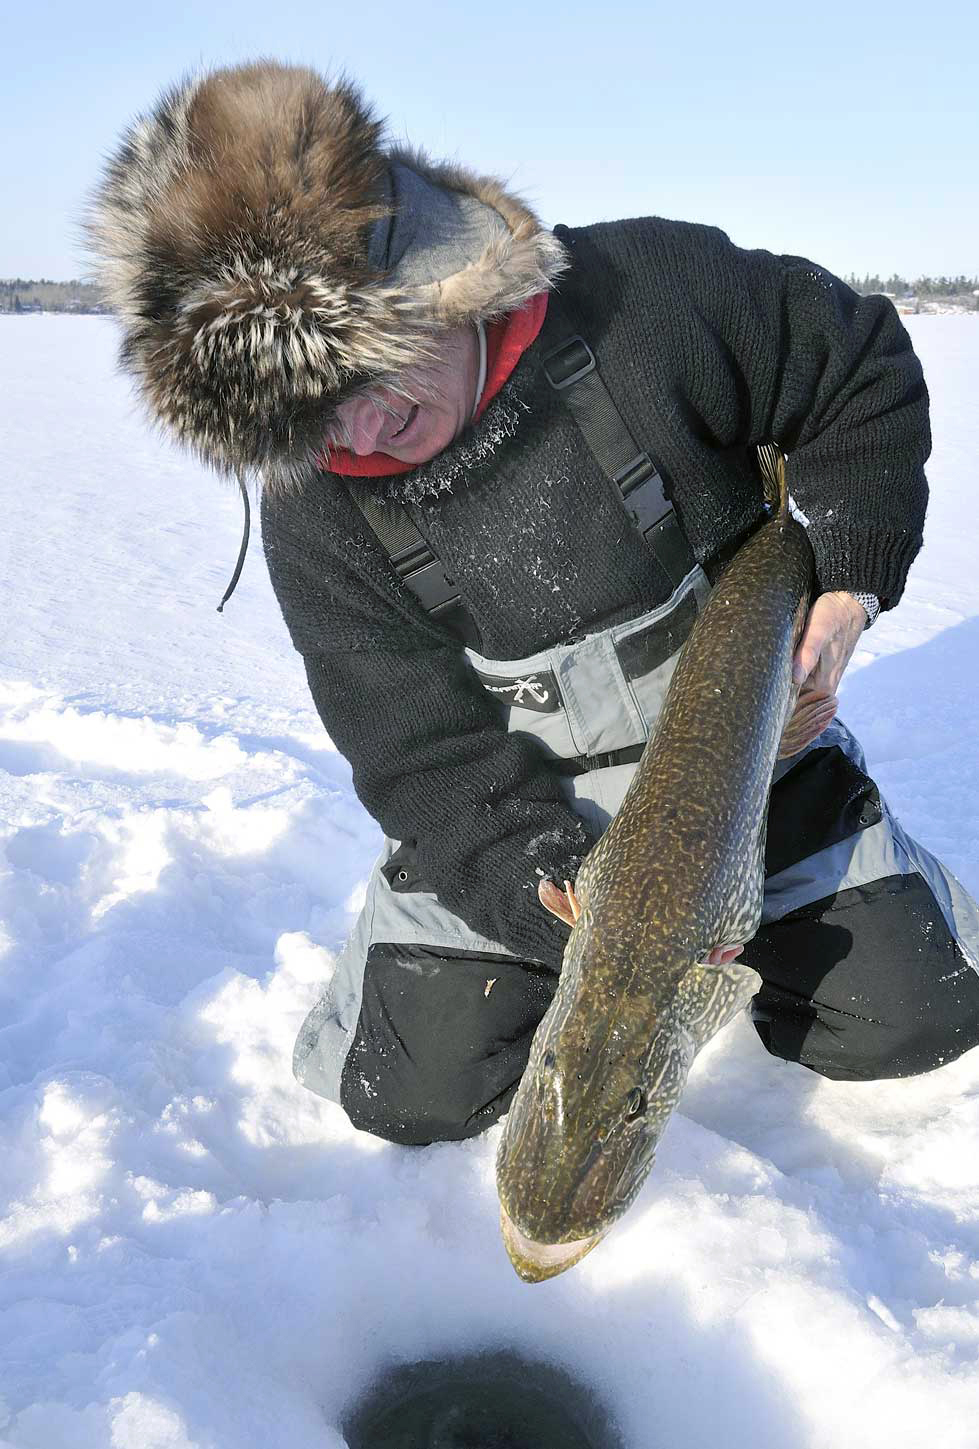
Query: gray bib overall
{"type": "Point", "coordinates": [603, 693]}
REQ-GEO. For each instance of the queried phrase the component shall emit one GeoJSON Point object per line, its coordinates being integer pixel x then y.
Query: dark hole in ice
{"type": "Point", "coordinates": [497, 1398]}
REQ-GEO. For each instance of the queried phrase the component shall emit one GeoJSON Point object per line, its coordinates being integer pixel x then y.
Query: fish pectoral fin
{"type": "Point", "coordinates": [572, 899]}
{"type": "Point", "coordinates": [812, 713]}
{"type": "Point", "coordinates": [563, 904]}
{"type": "Point", "coordinates": [711, 996]}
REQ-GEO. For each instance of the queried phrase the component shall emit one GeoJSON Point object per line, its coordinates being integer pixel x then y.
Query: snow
{"type": "Point", "coordinates": [199, 1254]}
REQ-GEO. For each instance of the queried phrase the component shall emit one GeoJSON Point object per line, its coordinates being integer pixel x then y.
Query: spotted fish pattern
{"type": "Point", "coordinates": [679, 871]}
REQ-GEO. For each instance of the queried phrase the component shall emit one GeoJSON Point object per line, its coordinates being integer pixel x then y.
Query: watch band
{"type": "Point", "coordinates": [870, 602]}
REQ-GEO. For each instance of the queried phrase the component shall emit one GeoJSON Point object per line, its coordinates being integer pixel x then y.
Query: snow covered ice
{"type": "Point", "coordinates": [199, 1254]}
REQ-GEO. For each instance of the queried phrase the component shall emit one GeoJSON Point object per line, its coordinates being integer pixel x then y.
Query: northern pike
{"type": "Point", "coordinates": [661, 907]}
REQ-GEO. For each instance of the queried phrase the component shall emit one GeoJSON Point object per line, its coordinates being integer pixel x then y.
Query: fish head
{"type": "Point", "coordinates": [581, 1134]}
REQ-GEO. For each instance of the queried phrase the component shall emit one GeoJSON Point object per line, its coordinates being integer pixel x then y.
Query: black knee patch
{"type": "Point", "coordinates": [866, 984]}
{"type": "Point", "coordinates": [823, 799]}
{"type": "Point", "coordinates": [441, 1041]}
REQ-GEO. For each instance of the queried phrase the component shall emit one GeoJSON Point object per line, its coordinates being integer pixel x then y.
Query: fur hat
{"type": "Point", "coordinates": [267, 256]}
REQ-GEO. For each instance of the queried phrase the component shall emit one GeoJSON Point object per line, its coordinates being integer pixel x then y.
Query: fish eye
{"type": "Point", "coordinates": [635, 1105]}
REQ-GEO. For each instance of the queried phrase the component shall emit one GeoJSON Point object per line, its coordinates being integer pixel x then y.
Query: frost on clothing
{"type": "Point", "coordinates": [707, 350]}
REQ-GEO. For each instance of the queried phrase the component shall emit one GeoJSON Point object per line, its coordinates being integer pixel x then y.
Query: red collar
{"type": "Point", "coordinates": [506, 342]}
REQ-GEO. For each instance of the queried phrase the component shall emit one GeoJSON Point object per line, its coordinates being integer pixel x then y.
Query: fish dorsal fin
{"type": "Point", "coordinates": [771, 461]}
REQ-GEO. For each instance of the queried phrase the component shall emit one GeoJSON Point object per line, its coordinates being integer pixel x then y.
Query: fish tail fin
{"type": "Point", "coordinates": [771, 461]}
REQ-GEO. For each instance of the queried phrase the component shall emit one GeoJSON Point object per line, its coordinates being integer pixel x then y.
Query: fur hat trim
{"type": "Point", "coordinates": [230, 233]}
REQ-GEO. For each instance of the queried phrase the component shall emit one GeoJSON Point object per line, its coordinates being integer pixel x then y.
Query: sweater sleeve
{"type": "Point", "coordinates": [431, 759]}
{"type": "Point", "coordinates": [850, 408]}
{"type": "Point", "coordinates": [763, 347]}
{"type": "Point", "coordinates": [735, 347]}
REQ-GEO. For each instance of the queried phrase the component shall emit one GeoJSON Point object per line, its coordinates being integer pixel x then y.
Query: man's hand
{"type": "Point", "coordinates": [832, 629]}
{"type": "Point", "coordinates": [829, 638]}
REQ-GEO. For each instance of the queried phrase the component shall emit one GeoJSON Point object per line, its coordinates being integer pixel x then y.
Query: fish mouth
{"type": "Point", "coordinates": [534, 1262]}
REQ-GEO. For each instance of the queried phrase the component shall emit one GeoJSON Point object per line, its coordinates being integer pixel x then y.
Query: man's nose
{"type": "Point", "coordinates": [363, 421]}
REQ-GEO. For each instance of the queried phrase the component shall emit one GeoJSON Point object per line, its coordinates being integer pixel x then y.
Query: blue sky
{"type": "Point", "coordinates": [843, 132]}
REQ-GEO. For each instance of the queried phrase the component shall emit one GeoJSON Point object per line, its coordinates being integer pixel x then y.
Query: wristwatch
{"type": "Point", "coordinates": [870, 602]}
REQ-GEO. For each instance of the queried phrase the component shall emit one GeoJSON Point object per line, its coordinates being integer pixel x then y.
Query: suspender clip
{"type": "Point", "coordinates": [634, 473]}
{"type": "Point", "coordinates": [569, 363]}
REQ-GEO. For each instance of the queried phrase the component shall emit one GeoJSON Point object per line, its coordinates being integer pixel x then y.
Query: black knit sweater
{"type": "Point", "coordinates": [707, 350]}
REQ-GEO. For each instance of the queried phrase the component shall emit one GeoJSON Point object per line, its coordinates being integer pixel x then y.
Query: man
{"type": "Point", "coordinates": [392, 346]}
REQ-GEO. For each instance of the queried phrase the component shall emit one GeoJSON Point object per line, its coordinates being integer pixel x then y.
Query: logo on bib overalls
{"type": "Point", "coordinates": [532, 686]}
{"type": "Point", "coordinates": [533, 691]}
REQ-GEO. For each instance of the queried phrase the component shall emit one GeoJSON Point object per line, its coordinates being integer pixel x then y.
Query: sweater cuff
{"type": "Point", "coordinates": [879, 558]}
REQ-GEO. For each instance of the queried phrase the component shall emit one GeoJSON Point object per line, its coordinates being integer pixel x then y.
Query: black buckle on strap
{"type": "Point", "coordinates": [581, 764]}
{"type": "Point", "coordinates": [568, 363]}
{"type": "Point", "coordinates": [634, 473]}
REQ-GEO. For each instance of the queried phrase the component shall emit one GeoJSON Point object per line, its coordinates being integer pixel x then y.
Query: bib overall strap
{"type": "Point", "coordinates": [570, 368]}
{"type": "Point", "coordinates": [416, 565]}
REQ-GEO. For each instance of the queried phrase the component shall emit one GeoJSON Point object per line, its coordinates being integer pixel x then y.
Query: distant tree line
{"type": "Point", "coordinates": [931, 287]}
{"type": "Point", "coordinates": [19, 294]}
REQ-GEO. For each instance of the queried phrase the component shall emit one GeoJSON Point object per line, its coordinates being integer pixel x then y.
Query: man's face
{"type": "Point", "coordinates": [443, 393]}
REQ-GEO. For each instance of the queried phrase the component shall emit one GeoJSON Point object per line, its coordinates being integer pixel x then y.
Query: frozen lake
{"type": "Point", "coordinates": [200, 1255]}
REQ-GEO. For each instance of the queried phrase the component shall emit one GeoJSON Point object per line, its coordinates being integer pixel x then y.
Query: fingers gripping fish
{"type": "Point", "coordinates": [660, 910]}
